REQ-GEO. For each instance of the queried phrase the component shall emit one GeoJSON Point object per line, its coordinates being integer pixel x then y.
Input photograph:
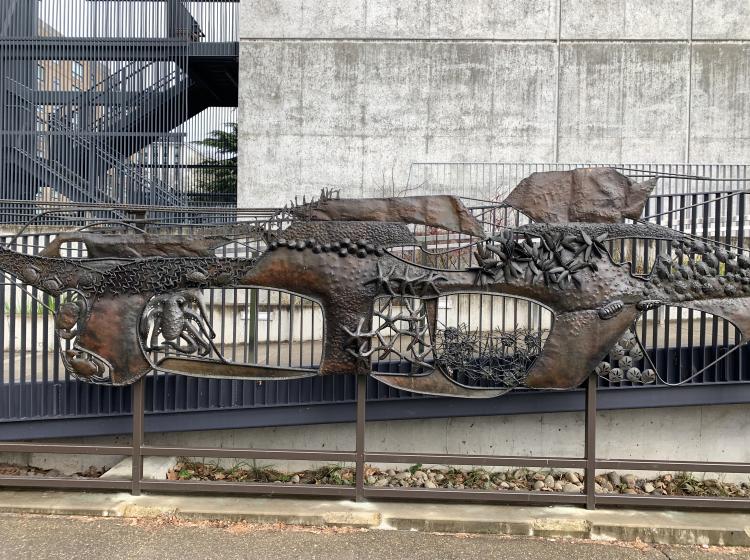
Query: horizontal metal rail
{"type": "Point", "coordinates": [243, 453]}
{"type": "Point", "coordinates": [359, 490]}
{"type": "Point", "coordinates": [474, 460]}
{"type": "Point", "coordinates": [66, 448]}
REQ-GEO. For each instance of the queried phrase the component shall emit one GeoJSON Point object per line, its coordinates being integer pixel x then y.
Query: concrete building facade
{"type": "Point", "coordinates": [347, 93]}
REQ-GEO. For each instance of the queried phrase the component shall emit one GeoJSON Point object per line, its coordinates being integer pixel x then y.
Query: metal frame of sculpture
{"type": "Point", "coordinates": [134, 305]}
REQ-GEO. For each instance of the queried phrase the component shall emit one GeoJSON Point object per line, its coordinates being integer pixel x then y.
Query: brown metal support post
{"type": "Point", "coordinates": [590, 442]}
{"type": "Point", "coordinates": [359, 445]}
{"type": "Point", "coordinates": [138, 407]}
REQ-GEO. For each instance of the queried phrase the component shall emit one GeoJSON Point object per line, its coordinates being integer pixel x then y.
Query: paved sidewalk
{"type": "Point", "coordinates": [24, 536]}
{"type": "Point", "coordinates": [648, 526]}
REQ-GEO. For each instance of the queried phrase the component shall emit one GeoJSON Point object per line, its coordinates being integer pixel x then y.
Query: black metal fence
{"type": "Point", "coordinates": [271, 327]}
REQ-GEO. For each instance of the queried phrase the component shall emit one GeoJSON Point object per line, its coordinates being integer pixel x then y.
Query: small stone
{"type": "Point", "coordinates": [430, 484]}
{"type": "Point", "coordinates": [648, 488]}
{"type": "Point", "coordinates": [549, 481]}
{"type": "Point", "coordinates": [519, 474]}
{"type": "Point", "coordinates": [572, 477]}
{"type": "Point", "coordinates": [629, 480]}
{"type": "Point", "coordinates": [403, 475]}
{"type": "Point", "coordinates": [504, 485]}
{"type": "Point", "coordinates": [558, 486]}
{"type": "Point", "coordinates": [390, 472]}
{"type": "Point", "coordinates": [383, 481]}
{"type": "Point", "coordinates": [420, 475]}
{"type": "Point", "coordinates": [295, 479]}
{"type": "Point", "coordinates": [629, 491]}
{"type": "Point", "coordinates": [598, 488]}
{"type": "Point", "coordinates": [371, 480]}
{"type": "Point", "coordinates": [571, 488]}
{"type": "Point", "coordinates": [439, 477]}
{"type": "Point", "coordinates": [538, 485]}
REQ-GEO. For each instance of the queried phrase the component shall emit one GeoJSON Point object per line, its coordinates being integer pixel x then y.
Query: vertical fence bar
{"type": "Point", "coordinates": [138, 389]}
{"type": "Point", "coordinates": [590, 442]}
{"type": "Point", "coordinates": [359, 444]}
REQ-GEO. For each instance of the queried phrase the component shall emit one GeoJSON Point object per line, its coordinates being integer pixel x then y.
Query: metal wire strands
{"type": "Point", "coordinates": [498, 356]}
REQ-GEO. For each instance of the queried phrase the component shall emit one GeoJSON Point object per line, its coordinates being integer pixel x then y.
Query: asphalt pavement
{"type": "Point", "coordinates": [45, 537]}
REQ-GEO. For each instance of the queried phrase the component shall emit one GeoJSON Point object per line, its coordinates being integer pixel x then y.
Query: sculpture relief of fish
{"type": "Point", "coordinates": [138, 297]}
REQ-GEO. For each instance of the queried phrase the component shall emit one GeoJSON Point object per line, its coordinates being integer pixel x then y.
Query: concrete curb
{"type": "Point", "coordinates": [648, 526]}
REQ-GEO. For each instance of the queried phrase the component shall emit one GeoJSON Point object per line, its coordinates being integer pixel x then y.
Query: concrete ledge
{"type": "Point", "coordinates": [649, 526]}
{"type": "Point", "coordinates": [154, 468]}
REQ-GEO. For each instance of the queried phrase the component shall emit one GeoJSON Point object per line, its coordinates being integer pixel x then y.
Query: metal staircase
{"type": "Point", "coordinates": [60, 168]}
{"type": "Point", "coordinates": [90, 145]}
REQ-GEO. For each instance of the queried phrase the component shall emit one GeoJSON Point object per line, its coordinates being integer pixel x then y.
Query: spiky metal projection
{"type": "Point", "coordinates": [134, 305]}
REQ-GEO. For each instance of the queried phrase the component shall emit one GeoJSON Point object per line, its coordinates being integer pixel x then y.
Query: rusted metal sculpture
{"type": "Point", "coordinates": [134, 305]}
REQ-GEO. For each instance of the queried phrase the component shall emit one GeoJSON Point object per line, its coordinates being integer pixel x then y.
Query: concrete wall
{"type": "Point", "coordinates": [338, 93]}
{"type": "Point", "coordinates": [688, 433]}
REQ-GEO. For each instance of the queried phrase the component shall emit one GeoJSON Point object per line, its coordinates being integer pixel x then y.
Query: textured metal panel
{"type": "Point", "coordinates": [35, 387]}
{"type": "Point", "coordinates": [494, 181]}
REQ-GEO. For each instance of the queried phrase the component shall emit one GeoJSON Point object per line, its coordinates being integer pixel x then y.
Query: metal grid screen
{"type": "Point", "coordinates": [119, 101]}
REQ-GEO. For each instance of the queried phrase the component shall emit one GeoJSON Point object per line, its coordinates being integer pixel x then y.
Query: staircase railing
{"type": "Point", "coordinates": [163, 194]}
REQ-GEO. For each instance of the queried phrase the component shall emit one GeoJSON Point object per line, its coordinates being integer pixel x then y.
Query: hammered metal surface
{"type": "Point", "coordinates": [137, 294]}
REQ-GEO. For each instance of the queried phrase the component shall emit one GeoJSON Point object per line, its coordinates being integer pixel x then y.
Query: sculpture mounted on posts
{"type": "Point", "coordinates": [134, 304]}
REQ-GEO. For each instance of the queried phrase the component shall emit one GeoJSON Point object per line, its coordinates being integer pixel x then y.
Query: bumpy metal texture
{"type": "Point", "coordinates": [598, 194]}
{"type": "Point", "coordinates": [139, 295]}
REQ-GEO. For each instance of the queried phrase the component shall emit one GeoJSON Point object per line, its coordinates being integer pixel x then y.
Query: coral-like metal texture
{"type": "Point", "coordinates": [134, 303]}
